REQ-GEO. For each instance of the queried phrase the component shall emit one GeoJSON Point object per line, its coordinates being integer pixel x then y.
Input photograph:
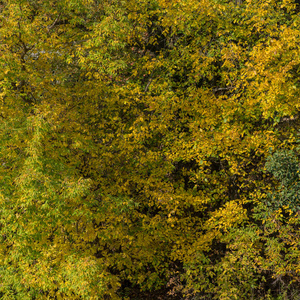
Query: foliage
{"type": "Point", "coordinates": [284, 166]}
{"type": "Point", "coordinates": [134, 149]}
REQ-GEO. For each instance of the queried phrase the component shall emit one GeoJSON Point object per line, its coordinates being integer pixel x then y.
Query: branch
{"type": "Point", "coordinates": [223, 89]}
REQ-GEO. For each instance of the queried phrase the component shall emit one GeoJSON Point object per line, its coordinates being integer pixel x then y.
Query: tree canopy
{"type": "Point", "coordinates": [149, 148]}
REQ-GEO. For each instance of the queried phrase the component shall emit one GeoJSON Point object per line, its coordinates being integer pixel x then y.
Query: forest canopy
{"type": "Point", "coordinates": [149, 149]}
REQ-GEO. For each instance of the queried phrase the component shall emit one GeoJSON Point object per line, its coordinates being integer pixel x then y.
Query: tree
{"type": "Point", "coordinates": [134, 138]}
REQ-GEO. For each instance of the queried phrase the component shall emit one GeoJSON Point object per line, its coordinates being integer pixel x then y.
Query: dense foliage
{"type": "Point", "coordinates": [149, 149]}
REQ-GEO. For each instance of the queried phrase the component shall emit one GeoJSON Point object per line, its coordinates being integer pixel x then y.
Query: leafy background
{"type": "Point", "coordinates": [149, 149]}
